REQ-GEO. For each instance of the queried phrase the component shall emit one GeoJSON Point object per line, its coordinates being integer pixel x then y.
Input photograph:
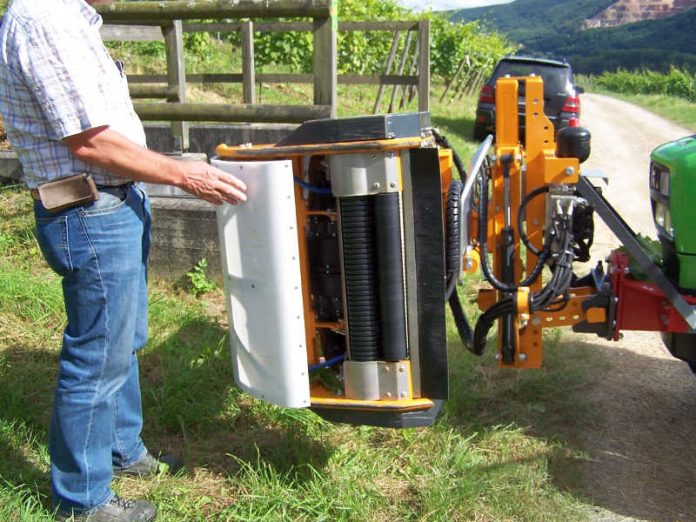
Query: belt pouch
{"type": "Point", "coordinates": [68, 192]}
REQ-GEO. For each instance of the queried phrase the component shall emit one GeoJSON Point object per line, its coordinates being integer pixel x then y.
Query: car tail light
{"type": "Point", "coordinates": [572, 104]}
{"type": "Point", "coordinates": [486, 95]}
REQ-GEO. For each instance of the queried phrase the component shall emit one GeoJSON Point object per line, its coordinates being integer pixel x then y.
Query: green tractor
{"type": "Point", "coordinates": [673, 200]}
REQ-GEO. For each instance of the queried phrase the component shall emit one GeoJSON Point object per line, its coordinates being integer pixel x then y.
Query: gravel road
{"type": "Point", "coordinates": [642, 441]}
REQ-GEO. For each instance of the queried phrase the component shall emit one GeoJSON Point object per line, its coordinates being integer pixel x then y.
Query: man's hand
{"type": "Point", "coordinates": [120, 156]}
{"type": "Point", "coordinates": [211, 184]}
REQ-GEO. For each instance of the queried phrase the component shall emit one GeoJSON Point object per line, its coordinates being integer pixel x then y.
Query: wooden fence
{"type": "Point", "coordinates": [467, 79]}
{"type": "Point", "coordinates": [147, 21]}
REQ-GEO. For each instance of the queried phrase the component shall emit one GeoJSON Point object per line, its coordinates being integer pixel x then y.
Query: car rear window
{"type": "Point", "coordinates": [555, 78]}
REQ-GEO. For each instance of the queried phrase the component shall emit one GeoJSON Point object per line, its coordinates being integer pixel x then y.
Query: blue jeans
{"type": "Point", "coordinates": [100, 250]}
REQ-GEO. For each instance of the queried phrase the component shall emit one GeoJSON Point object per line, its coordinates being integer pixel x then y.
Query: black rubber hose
{"type": "Point", "coordinates": [443, 142]}
{"type": "Point", "coordinates": [486, 320]}
{"type": "Point", "coordinates": [464, 330]}
{"type": "Point", "coordinates": [359, 263]}
{"type": "Point", "coordinates": [483, 248]}
{"type": "Point", "coordinates": [453, 246]}
{"type": "Point", "coordinates": [523, 205]}
{"type": "Point", "coordinates": [453, 261]}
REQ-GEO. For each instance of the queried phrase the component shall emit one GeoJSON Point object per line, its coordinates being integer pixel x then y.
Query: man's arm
{"type": "Point", "coordinates": [114, 153]}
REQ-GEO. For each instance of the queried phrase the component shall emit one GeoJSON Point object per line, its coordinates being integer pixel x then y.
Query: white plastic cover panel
{"type": "Point", "coordinates": [261, 268]}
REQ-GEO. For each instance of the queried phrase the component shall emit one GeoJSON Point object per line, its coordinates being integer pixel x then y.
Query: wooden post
{"type": "Point", "coordinates": [248, 67]}
{"type": "Point", "coordinates": [464, 79]}
{"type": "Point", "coordinates": [387, 70]}
{"type": "Point", "coordinates": [406, 95]}
{"type": "Point", "coordinates": [176, 77]}
{"type": "Point", "coordinates": [325, 69]}
{"type": "Point", "coordinates": [402, 64]}
{"type": "Point", "coordinates": [424, 66]}
{"type": "Point", "coordinates": [455, 77]}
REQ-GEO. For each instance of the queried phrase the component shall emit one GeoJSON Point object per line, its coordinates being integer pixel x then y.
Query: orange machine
{"type": "Point", "coordinates": [339, 266]}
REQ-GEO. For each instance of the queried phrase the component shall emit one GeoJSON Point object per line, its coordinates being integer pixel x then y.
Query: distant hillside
{"type": "Point", "coordinates": [653, 44]}
{"type": "Point", "coordinates": [629, 11]}
{"type": "Point", "coordinates": [555, 27]}
{"type": "Point", "coordinates": [530, 21]}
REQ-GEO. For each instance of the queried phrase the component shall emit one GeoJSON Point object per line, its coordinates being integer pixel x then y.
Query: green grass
{"type": "Point", "coordinates": [678, 110]}
{"type": "Point", "coordinates": [492, 450]}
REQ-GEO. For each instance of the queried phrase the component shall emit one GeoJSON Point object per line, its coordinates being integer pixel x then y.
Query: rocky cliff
{"type": "Point", "coordinates": [628, 11]}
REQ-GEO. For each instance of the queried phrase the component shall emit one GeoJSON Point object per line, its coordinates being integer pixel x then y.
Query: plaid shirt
{"type": "Point", "coordinates": [57, 80]}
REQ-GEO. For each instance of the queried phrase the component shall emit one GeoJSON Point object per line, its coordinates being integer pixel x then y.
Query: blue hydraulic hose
{"type": "Point", "coordinates": [328, 363]}
{"type": "Point", "coordinates": [312, 188]}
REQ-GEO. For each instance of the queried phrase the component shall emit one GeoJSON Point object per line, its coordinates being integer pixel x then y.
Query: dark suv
{"type": "Point", "coordinates": [561, 100]}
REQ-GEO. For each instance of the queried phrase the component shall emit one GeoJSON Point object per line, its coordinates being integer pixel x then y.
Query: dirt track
{"type": "Point", "coordinates": [642, 441]}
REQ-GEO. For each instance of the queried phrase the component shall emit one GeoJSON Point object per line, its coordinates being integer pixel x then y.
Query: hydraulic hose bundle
{"type": "Point", "coordinates": [561, 263]}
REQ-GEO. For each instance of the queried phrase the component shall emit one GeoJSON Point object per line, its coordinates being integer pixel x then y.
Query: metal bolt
{"type": "Point", "coordinates": [402, 369]}
{"type": "Point", "coordinates": [569, 171]}
{"type": "Point", "coordinates": [392, 185]}
{"type": "Point", "coordinates": [523, 357]}
{"type": "Point", "coordinates": [376, 186]}
{"type": "Point", "coordinates": [388, 395]}
{"type": "Point", "coordinates": [386, 369]}
{"type": "Point", "coordinates": [404, 395]}
{"type": "Point", "coordinates": [498, 356]}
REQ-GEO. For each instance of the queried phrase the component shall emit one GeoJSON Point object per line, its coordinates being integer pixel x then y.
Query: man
{"type": "Point", "coordinates": [67, 112]}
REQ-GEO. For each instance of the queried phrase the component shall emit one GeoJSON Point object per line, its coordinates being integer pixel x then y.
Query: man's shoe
{"type": "Point", "coordinates": [116, 510]}
{"type": "Point", "coordinates": [149, 466]}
